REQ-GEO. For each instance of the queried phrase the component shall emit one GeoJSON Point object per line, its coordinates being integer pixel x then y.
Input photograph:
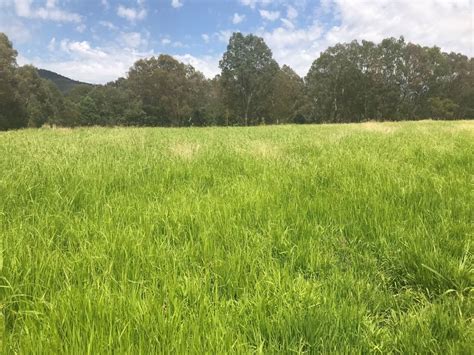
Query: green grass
{"type": "Point", "coordinates": [330, 238]}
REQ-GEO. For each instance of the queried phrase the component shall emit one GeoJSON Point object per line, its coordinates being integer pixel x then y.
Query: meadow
{"type": "Point", "coordinates": [349, 238]}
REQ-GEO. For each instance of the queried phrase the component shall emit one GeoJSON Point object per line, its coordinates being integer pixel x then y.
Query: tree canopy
{"type": "Point", "coordinates": [348, 82]}
{"type": "Point", "coordinates": [248, 70]}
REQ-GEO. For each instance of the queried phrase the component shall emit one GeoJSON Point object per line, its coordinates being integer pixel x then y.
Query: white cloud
{"type": "Point", "coordinates": [291, 13]}
{"type": "Point", "coordinates": [133, 39]}
{"type": "Point", "coordinates": [270, 15]}
{"type": "Point", "coordinates": [297, 47]}
{"type": "Point", "coordinates": [52, 44]}
{"type": "Point", "coordinates": [236, 19]}
{"type": "Point", "coordinates": [81, 61]}
{"type": "Point", "coordinates": [82, 49]}
{"type": "Point", "coordinates": [81, 28]}
{"type": "Point", "coordinates": [15, 29]}
{"type": "Point", "coordinates": [447, 24]}
{"type": "Point", "coordinates": [131, 14]}
{"type": "Point", "coordinates": [208, 65]}
{"type": "Point", "coordinates": [288, 23]}
{"type": "Point", "coordinates": [23, 8]}
{"type": "Point", "coordinates": [223, 36]}
{"type": "Point", "coordinates": [51, 3]}
{"type": "Point", "coordinates": [49, 12]}
{"type": "Point", "coordinates": [99, 65]}
{"type": "Point", "coordinates": [176, 3]}
{"type": "Point", "coordinates": [105, 4]}
{"type": "Point", "coordinates": [108, 25]}
{"type": "Point", "coordinates": [254, 3]}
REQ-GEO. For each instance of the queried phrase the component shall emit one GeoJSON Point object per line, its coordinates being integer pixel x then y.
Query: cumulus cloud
{"type": "Point", "coordinates": [270, 15]}
{"type": "Point", "coordinates": [81, 28]}
{"type": "Point", "coordinates": [208, 65]}
{"type": "Point", "coordinates": [176, 3]}
{"type": "Point", "coordinates": [108, 24]}
{"type": "Point", "coordinates": [131, 14]}
{"type": "Point", "coordinates": [133, 39]}
{"type": "Point", "coordinates": [49, 12]}
{"type": "Point", "coordinates": [15, 29]}
{"type": "Point", "coordinates": [80, 60]}
{"type": "Point", "coordinates": [52, 44]}
{"type": "Point", "coordinates": [105, 4]}
{"type": "Point", "coordinates": [297, 47]}
{"type": "Point", "coordinates": [447, 24]}
{"type": "Point", "coordinates": [223, 36]}
{"type": "Point", "coordinates": [236, 19]}
{"type": "Point", "coordinates": [82, 49]}
{"type": "Point", "coordinates": [291, 13]}
{"type": "Point", "coordinates": [254, 3]}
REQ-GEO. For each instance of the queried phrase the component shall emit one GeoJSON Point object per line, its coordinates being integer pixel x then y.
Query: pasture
{"type": "Point", "coordinates": [349, 238]}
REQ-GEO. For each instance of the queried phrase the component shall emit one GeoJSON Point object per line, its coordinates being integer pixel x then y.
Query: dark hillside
{"type": "Point", "coordinates": [63, 83]}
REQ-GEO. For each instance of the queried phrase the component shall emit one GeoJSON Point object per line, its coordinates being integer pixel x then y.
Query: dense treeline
{"type": "Point", "coordinates": [352, 82]}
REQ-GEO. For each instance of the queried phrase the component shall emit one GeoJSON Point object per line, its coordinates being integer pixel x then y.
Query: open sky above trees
{"type": "Point", "coordinates": [98, 41]}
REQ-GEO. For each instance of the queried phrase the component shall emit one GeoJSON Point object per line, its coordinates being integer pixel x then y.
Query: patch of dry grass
{"type": "Point", "coordinates": [184, 150]}
{"type": "Point", "coordinates": [379, 127]}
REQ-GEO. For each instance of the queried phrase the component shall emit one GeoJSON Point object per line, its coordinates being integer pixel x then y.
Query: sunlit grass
{"type": "Point", "coordinates": [331, 238]}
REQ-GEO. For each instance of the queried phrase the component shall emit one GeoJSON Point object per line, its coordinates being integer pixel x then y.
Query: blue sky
{"type": "Point", "coordinates": [97, 41]}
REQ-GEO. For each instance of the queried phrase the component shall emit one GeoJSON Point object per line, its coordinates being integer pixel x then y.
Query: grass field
{"type": "Point", "coordinates": [331, 238]}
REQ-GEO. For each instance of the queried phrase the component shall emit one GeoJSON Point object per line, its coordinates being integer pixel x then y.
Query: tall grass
{"type": "Point", "coordinates": [330, 238]}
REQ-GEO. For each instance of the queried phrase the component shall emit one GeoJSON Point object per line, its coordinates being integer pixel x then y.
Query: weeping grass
{"type": "Point", "coordinates": [349, 238]}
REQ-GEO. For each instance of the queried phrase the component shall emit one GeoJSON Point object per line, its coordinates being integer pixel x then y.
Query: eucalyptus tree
{"type": "Point", "coordinates": [248, 71]}
{"type": "Point", "coordinates": [169, 90]}
{"type": "Point", "coordinates": [41, 98]}
{"type": "Point", "coordinates": [12, 109]}
{"type": "Point", "coordinates": [287, 97]}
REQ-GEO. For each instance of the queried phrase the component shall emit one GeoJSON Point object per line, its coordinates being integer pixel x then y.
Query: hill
{"type": "Point", "coordinates": [63, 83]}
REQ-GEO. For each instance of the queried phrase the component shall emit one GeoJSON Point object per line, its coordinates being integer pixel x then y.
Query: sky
{"type": "Point", "coordinates": [97, 41]}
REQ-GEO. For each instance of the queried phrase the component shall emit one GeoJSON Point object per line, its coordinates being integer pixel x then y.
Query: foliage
{"type": "Point", "coordinates": [248, 69]}
{"type": "Point", "coordinates": [42, 99]}
{"type": "Point", "coordinates": [351, 82]}
{"type": "Point", "coordinates": [389, 81]}
{"type": "Point", "coordinates": [12, 109]}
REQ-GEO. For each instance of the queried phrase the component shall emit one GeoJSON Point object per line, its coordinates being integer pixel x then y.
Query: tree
{"type": "Point", "coordinates": [286, 99]}
{"type": "Point", "coordinates": [458, 85]}
{"type": "Point", "coordinates": [349, 82]}
{"type": "Point", "coordinates": [12, 110]}
{"type": "Point", "coordinates": [248, 69]}
{"type": "Point", "coordinates": [334, 84]}
{"type": "Point", "coordinates": [42, 100]}
{"type": "Point", "coordinates": [170, 91]}
{"type": "Point", "coordinates": [442, 108]}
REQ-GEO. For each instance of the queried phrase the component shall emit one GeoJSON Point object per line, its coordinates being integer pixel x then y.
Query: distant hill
{"type": "Point", "coordinates": [64, 84]}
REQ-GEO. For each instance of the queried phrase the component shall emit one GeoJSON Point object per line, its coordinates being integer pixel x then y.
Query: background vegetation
{"type": "Point", "coordinates": [351, 82]}
{"type": "Point", "coordinates": [323, 238]}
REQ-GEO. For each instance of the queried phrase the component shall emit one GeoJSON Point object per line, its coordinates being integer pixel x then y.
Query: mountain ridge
{"type": "Point", "coordinates": [63, 83]}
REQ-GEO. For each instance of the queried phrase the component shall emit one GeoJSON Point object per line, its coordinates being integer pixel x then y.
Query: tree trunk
{"type": "Point", "coordinates": [247, 110]}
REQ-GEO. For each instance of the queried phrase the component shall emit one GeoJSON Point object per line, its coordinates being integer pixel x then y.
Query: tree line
{"type": "Point", "coordinates": [352, 82]}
